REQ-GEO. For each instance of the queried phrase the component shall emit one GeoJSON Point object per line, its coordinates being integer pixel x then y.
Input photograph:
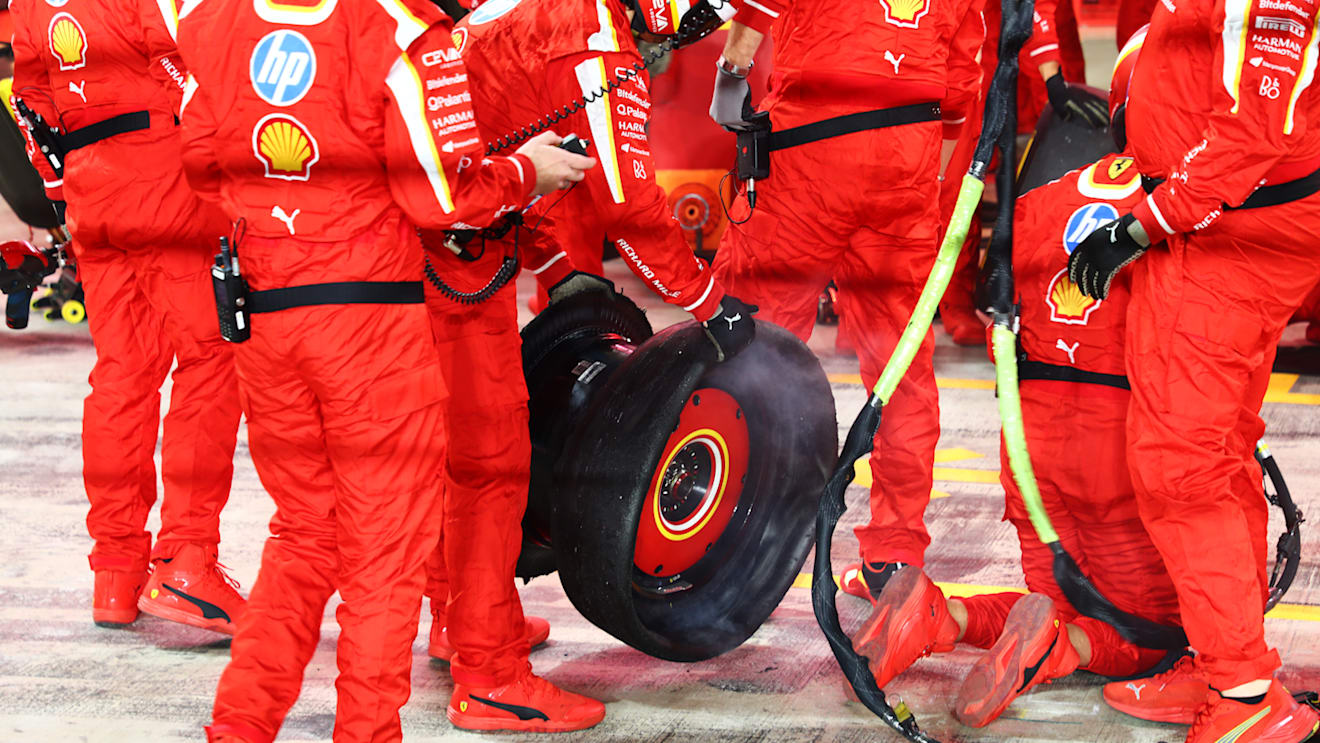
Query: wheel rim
{"type": "Point", "coordinates": [695, 489]}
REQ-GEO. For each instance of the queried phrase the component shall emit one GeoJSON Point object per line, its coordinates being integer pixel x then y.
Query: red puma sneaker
{"type": "Point", "coordinates": [538, 630]}
{"type": "Point", "coordinates": [1172, 696]}
{"type": "Point", "coordinates": [1034, 648]}
{"type": "Point", "coordinates": [529, 704]}
{"type": "Point", "coordinates": [1276, 718]}
{"type": "Point", "coordinates": [910, 621]}
{"type": "Point", "coordinates": [192, 588]}
{"type": "Point", "coordinates": [866, 580]}
{"type": "Point", "coordinates": [115, 597]}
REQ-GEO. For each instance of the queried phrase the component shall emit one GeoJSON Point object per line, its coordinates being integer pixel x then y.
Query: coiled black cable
{"type": "Point", "coordinates": [507, 270]}
{"type": "Point", "coordinates": [702, 23]}
{"type": "Point", "coordinates": [563, 112]}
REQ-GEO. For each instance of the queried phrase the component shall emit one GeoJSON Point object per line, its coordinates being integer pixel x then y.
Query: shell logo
{"type": "Point", "coordinates": [460, 37]}
{"type": "Point", "coordinates": [285, 147]}
{"type": "Point", "coordinates": [1068, 305]}
{"type": "Point", "coordinates": [905, 13]}
{"type": "Point", "coordinates": [68, 42]}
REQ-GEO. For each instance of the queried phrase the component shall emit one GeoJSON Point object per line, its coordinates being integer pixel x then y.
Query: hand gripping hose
{"type": "Point", "coordinates": [1000, 104]}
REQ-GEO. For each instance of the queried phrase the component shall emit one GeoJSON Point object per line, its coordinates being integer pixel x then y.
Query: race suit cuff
{"type": "Point", "coordinates": [527, 172]}
{"type": "Point", "coordinates": [552, 271]}
{"type": "Point", "coordinates": [1045, 53]}
{"type": "Point", "coordinates": [55, 190]}
{"type": "Point", "coordinates": [1152, 219]}
{"type": "Point", "coordinates": [706, 304]}
{"type": "Point", "coordinates": [953, 127]}
{"type": "Point", "coordinates": [758, 14]}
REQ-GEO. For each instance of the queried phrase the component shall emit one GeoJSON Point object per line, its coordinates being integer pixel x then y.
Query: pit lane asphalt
{"type": "Point", "coordinates": [63, 679]}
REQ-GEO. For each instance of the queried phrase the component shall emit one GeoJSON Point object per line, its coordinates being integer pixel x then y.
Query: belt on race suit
{"type": "Point", "coordinates": [838, 126]}
{"type": "Point", "coordinates": [115, 125]}
{"type": "Point", "coordinates": [1028, 369]}
{"type": "Point", "coordinates": [1271, 195]}
{"type": "Point", "coordinates": [340, 292]}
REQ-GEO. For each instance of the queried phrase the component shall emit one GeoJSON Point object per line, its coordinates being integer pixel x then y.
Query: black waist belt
{"type": "Point", "coordinates": [91, 134]}
{"type": "Point", "coordinates": [1028, 369]}
{"type": "Point", "coordinates": [852, 123]}
{"type": "Point", "coordinates": [1271, 195]}
{"type": "Point", "coordinates": [340, 292]}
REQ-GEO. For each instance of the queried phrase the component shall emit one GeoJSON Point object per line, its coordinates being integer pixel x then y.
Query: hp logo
{"type": "Point", "coordinates": [283, 67]}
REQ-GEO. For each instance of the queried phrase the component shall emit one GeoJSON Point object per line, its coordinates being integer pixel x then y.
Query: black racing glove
{"type": "Point", "coordinates": [732, 328]}
{"type": "Point", "coordinates": [1102, 254]}
{"type": "Point", "coordinates": [579, 282]}
{"type": "Point", "coordinates": [1075, 103]}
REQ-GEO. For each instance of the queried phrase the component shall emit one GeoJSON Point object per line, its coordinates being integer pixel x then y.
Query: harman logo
{"type": "Point", "coordinates": [283, 67]}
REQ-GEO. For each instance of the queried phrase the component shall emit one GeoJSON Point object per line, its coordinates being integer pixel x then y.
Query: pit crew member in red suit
{"type": "Point", "coordinates": [143, 242]}
{"type": "Point", "coordinates": [1074, 398]}
{"type": "Point", "coordinates": [874, 232]}
{"type": "Point", "coordinates": [525, 60]}
{"type": "Point", "coordinates": [316, 129]}
{"type": "Point", "coordinates": [1219, 121]}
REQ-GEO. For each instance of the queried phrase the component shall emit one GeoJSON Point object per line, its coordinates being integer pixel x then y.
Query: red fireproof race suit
{"type": "Point", "coordinates": [1220, 103]}
{"type": "Point", "coordinates": [319, 127]}
{"type": "Point", "coordinates": [525, 60]}
{"type": "Point", "coordinates": [531, 58]}
{"type": "Point", "coordinates": [861, 209]}
{"type": "Point", "coordinates": [1132, 15]}
{"type": "Point", "coordinates": [1088, 498]}
{"type": "Point", "coordinates": [487, 477]}
{"type": "Point", "coordinates": [143, 243]}
{"type": "Point", "coordinates": [488, 474]}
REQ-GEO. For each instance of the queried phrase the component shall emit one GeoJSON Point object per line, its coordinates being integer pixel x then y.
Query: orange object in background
{"type": "Point", "coordinates": [692, 153]}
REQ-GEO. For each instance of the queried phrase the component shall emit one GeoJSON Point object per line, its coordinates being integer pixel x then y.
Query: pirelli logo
{"type": "Point", "coordinates": [1275, 23]}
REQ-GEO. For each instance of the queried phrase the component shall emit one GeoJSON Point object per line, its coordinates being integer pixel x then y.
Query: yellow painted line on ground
{"type": "Point", "coordinates": [1297, 612]}
{"type": "Point", "coordinates": [1280, 390]}
{"type": "Point", "coordinates": [959, 474]}
{"type": "Point", "coordinates": [956, 454]}
{"type": "Point", "coordinates": [945, 383]}
{"type": "Point", "coordinates": [949, 383]}
{"type": "Point", "coordinates": [862, 474]}
{"type": "Point", "coordinates": [862, 477]}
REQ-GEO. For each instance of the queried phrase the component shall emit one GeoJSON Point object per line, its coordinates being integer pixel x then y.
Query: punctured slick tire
{"type": "Point", "coordinates": [603, 483]}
